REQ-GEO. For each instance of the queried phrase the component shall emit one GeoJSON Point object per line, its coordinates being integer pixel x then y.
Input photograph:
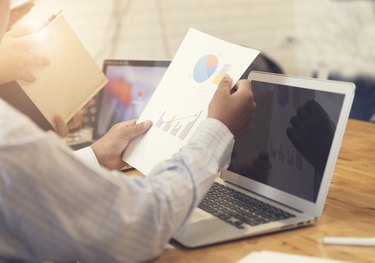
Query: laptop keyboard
{"type": "Point", "coordinates": [238, 209]}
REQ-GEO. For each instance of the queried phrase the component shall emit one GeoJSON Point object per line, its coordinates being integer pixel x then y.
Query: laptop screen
{"type": "Point", "coordinates": [130, 85]}
{"type": "Point", "coordinates": [291, 138]}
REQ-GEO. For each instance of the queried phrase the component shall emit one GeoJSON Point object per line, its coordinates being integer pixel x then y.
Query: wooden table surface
{"type": "Point", "coordinates": [349, 211]}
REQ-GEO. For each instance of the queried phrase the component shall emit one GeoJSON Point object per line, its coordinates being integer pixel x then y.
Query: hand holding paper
{"type": "Point", "coordinates": [181, 100]}
{"type": "Point", "coordinates": [109, 148]}
{"type": "Point", "coordinates": [236, 103]}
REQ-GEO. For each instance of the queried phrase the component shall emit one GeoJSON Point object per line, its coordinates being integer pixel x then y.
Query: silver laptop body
{"type": "Point", "coordinates": [280, 172]}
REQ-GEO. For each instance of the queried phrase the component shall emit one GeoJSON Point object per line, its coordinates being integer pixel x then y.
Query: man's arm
{"type": "Point", "coordinates": [57, 208]}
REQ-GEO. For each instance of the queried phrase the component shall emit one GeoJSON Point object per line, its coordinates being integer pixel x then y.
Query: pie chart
{"type": "Point", "coordinates": [205, 67]}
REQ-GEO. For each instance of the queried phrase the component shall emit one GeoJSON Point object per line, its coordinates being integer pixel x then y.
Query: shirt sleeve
{"type": "Point", "coordinates": [87, 155]}
{"type": "Point", "coordinates": [54, 207]}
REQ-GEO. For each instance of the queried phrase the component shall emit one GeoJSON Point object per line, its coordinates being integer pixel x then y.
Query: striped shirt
{"type": "Point", "coordinates": [54, 207]}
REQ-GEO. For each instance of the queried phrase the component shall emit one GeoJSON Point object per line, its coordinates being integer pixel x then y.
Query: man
{"type": "Point", "coordinates": [54, 207]}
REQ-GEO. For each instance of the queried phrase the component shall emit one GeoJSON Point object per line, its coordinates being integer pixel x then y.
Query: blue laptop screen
{"type": "Point", "coordinates": [130, 86]}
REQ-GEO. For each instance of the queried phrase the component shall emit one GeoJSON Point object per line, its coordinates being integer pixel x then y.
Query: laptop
{"type": "Point", "coordinates": [130, 86]}
{"type": "Point", "coordinates": [280, 172]}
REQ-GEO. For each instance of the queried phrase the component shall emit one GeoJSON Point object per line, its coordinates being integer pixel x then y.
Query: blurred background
{"type": "Point", "coordinates": [323, 38]}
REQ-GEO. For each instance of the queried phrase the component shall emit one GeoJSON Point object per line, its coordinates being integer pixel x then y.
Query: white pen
{"type": "Point", "coordinates": [350, 241]}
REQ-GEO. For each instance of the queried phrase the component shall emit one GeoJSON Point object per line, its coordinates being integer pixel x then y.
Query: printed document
{"type": "Point", "coordinates": [181, 99]}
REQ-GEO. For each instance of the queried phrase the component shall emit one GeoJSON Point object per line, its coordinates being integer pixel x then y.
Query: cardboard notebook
{"type": "Point", "coordinates": [71, 79]}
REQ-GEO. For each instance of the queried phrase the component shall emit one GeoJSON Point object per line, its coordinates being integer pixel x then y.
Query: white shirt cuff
{"type": "Point", "coordinates": [87, 155]}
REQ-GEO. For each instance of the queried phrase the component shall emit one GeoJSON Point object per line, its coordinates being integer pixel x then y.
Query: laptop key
{"type": "Point", "coordinates": [237, 209]}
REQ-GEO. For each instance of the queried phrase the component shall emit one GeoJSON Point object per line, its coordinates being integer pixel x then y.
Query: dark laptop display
{"type": "Point", "coordinates": [292, 136]}
{"type": "Point", "coordinates": [131, 83]}
{"type": "Point", "coordinates": [281, 171]}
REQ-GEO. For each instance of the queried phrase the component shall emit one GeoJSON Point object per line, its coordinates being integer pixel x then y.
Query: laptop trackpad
{"type": "Point", "coordinates": [199, 215]}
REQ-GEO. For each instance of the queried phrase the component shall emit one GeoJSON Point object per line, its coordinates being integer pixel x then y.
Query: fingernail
{"type": "Point", "coordinates": [226, 77]}
{"type": "Point", "coordinates": [147, 123]}
{"type": "Point", "coordinates": [29, 78]}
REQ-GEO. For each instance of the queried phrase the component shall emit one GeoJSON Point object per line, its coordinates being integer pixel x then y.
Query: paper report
{"type": "Point", "coordinates": [181, 99]}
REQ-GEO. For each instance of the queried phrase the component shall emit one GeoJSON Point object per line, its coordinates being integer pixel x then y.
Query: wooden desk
{"type": "Point", "coordinates": [349, 211]}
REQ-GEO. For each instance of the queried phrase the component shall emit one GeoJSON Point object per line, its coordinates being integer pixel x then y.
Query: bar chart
{"type": "Point", "coordinates": [177, 126]}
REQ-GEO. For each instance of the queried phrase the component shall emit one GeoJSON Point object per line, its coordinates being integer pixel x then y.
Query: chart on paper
{"type": "Point", "coordinates": [205, 68]}
{"type": "Point", "coordinates": [177, 126]}
{"type": "Point", "coordinates": [180, 102]}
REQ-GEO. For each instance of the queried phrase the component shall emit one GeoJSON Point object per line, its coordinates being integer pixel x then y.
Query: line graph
{"type": "Point", "coordinates": [177, 126]}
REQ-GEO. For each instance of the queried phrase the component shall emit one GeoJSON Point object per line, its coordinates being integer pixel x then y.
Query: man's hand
{"type": "Point", "coordinates": [235, 107]}
{"type": "Point", "coordinates": [74, 124]}
{"type": "Point", "coordinates": [109, 148]}
{"type": "Point", "coordinates": [17, 57]}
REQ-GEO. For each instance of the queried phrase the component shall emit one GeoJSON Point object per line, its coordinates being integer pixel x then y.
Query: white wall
{"type": "Point", "coordinates": [338, 35]}
{"type": "Point", "coordinates": [301, 35]}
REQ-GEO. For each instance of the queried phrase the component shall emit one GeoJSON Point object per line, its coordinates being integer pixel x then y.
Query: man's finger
{"type": "Point", "coordinates": [133, 131]}
{"type": "Point", "coordinates": [26, 76]}
{"type": "Point", "coordinates": [33, 60]}
{"type": "Point", "coordinates": [89, 104]}
{"type": "Point", "coordinates": [76, 122]}
{"type": "Point", "coordinates": [130, 122]}
{"type": "Point", "coordinates": [19, 31]}
{"type": "Point", "coordinates": [243, 88]}
{"type": "Point", "coordinates": [61, 127]}
{"type": "Point", "coordinates": [143, 126]}
{"type": "Point", "coordinates": [225, 83]}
